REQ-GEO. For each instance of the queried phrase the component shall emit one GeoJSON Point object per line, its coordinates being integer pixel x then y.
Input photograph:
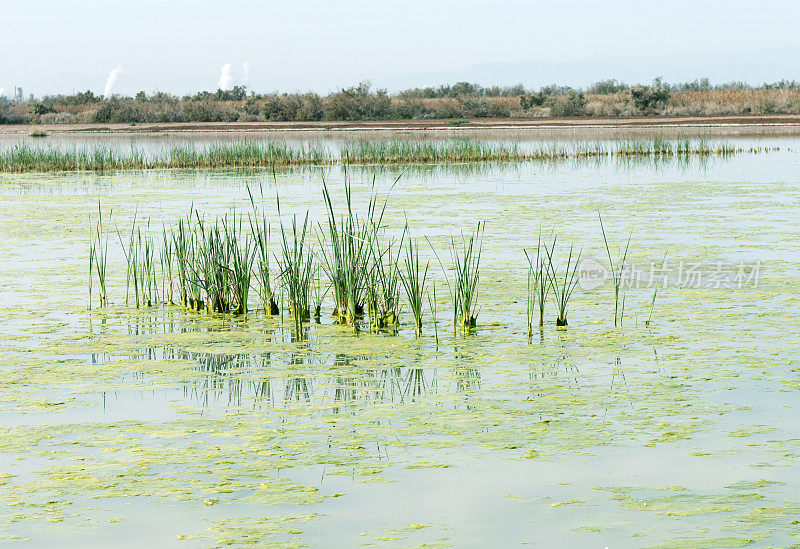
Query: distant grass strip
{"type": "Point", "coordinates": [251, 154]}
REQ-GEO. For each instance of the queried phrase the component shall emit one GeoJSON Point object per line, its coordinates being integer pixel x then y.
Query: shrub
{"type": "Point", "coordinates": [40, 108]}
{"type": "Point", "coordinates": [571, 103]}
{"type": "Point", "coordinates": [607, 87]}
{"type": "Point", "coordinates": [648, 98]}
{"type": "Point", "coordinates": [358, 103]}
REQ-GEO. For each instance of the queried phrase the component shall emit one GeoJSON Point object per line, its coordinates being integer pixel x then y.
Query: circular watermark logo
{"type": "Point", "coordinates": [592, 274]}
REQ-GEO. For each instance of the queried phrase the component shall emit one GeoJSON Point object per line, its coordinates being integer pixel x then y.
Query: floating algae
{"type": "Point", "coordinates": [223, 431]}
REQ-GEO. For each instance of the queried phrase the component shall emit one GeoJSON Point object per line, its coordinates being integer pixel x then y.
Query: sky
{"type": "Point", "coordinates": [181, 46]}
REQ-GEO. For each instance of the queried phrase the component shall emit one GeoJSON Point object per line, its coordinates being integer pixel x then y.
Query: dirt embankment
{"type": "Point", "coordinates": [742, 125]}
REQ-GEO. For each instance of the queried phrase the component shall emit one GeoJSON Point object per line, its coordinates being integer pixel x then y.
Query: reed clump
{"type": "Point", "coordinates": [212, 264]}
{"type": "Point", "coordinates": [562, 287]}
{"type": "Point", "coordinates": [538, 286]}
{"type": "Point", "coordinates": [26, 157]}
{"type": "Point", "coordinates": [413, 276]}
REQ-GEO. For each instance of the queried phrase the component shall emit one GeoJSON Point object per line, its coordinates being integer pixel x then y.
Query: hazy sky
{"type": "Point", "coordinates": [182, 45]}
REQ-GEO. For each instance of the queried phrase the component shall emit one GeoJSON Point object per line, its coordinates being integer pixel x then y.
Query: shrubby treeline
{"type": "Point", "coordinates": [457, 101]}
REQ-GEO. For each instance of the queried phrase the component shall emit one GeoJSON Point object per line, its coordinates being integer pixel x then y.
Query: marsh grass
{"type": "Point", "coordinates": [413, 278]}
{"type": "Point", "coordinates": [655, 293]}
{"type": "Point", "coordinates": [25, 157]}
{"type": "Point", "coordinates": [617, 274]}
{"type": "Point", "coordinates": [562, 288]}
{"type": "Point", "coordinates": [262, 235]}
{"type": "Point", "coordinates": [296, 270]}
{"type": "Point", "coordinates": [242, 255]}
{"type": "Point", "coordinates": [131, 263]}
{"type": "Point", "coordinates": [434, 313]}
{"type": "Point", "coordinates": [167, 262]}
{"type": "Point", "coordinates": [216, 259]}
{"type": "Point", "coordinates": [537, 285]}
{"type": "Point", "coordinates": [98, 258]}
{"type": "Point", "coordinates": [346, 248]}
{"type": "Point", "coordinates": [466, 257]}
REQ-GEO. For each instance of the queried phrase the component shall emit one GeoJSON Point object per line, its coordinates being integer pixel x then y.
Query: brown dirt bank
{"type": "Point", "coordinates": [714, 126]}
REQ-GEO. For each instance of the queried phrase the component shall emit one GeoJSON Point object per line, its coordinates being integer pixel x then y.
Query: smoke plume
{"type": "Point", "coordinates": [111, 81]}
{"type": "Point", "coordinates": [225, 77]}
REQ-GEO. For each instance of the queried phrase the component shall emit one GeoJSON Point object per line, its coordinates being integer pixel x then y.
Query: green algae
{"type": "Point", "coordinates": [162, 405]}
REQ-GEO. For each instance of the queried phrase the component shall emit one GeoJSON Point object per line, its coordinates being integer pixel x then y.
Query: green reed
{"type": "Point", "coordinates": [464, 287]}
{"type": "Point", "coordinates": [262, 235]}
{"type": "Point", "coordinates": [296, 269]}
{"type": "Point", "coordinates": [98, 258]}
{"type": "Point", "coordinates": [655, 293]}
{"type": "Point", "coordinates": [562, 288]}
{"type": "Point", "coordinates": [413, 279]}
{"type": "Point", "coordinates": [26, 157]}
{"type": "Point", "coordinates": [467, 259]}
{"type": "Point", "coordinates": [167, 262]}
{"type": "Point", "coordinates": [537, 285]}
{"type": "Point", "coordinates": [617, 273]}
{"type": "Point", "coordinates": [346, 257]}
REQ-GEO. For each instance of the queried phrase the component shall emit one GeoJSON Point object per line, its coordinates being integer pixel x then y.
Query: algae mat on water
{"type": "Point", "coordinates": [162, 427]}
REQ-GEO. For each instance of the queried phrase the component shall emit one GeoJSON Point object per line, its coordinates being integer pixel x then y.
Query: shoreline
{"type": "Point", "coordinates": [718, 126]}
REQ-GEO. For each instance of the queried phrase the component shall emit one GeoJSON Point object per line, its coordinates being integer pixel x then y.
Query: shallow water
{"type": "Point", "coordinates": [162, 427]}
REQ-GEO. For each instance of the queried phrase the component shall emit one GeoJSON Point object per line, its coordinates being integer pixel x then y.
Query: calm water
{"type": "Point", "coordinates": [162, 427]}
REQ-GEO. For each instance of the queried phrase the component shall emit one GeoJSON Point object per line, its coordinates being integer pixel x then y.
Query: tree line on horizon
{"type": "Point", "coordinates": [463, 100]}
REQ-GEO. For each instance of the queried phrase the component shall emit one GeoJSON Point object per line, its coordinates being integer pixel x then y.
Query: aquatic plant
{"type": "Point", "coordinates": [131, 261]}
{"type": "Point", "coordinates": [346, 251]}
{"type": "Point", "coordinates": [434, 311]}
{"type": "Point", "coordinates": [98, 258]}
{"type": "Point", "coordinates": [242, 254]}
{"type": "Point", "coordinates": [167, 263]}
{"type": "Point", "coordinates": [617, 274]}
{"type": "Point", "coordinates": [537, 285]}
{"type": "Point", "coordinates": [655, 293]}
{"type": "Point", "coordinates": [383, 285]}
{"type": "Point", "coordinates": [296, 269]}
{"type": "Point", "coordinates": [262, 233]}
{"type": "Point", "coordinates": [413, 279]}
{"type": "Point", "coordinates": [562, 288]}
{"type": "Point", "coordinates": [464, 288]}
{"type": "Point", "coordinates": [24, 157]}
{"type": "Point", "coordinates": [147, 268]}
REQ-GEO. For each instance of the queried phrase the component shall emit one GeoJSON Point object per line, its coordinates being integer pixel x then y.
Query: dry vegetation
{"type": "Point", "coordinates": [459, 101]}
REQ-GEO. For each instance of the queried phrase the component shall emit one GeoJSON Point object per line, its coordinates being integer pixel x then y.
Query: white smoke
{"type": "Point", "coordinates": [111, 81]}
{"type": "Point", "coordinates": [246, 72]}
{"type": "Point", "coordinates": [225, 77]}
{"type": "Point", "coordinates": [2, 92]}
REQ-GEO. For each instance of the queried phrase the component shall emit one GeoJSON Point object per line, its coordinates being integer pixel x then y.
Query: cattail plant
{"type": "Point", "coordinates": [538, 285]}
{"type": "Point", "coordinates": [296, 269]}
{"type": "Point", "coordinates": [98, 258]}
{"type": "Point", "coordinates": [147, 268]}
{"type": "Point", "coordinates": [432, 305]}
{"type": "Point", "coordinates": [346, 256]}
{"type": "Point", "coordinates": [467, 260]}
{"type": "Point", "coordinates": [241, 268]}
{"type": "Point", "coordinates": [166, 266]}
{"type": "Point", "coordinates": [413, 279]}
{"type": "Point", "coordinates": [383, 291]}
{"type": "Point", "coordinates": [562, 288]}
{"type": "Point", "coordinates": [262, 233]}
{"type": "Point", "coordinates": [617, 274]}
{"type": "Point", "coordinates": [132, 263]}
{"type": "Point", "coordinates": [182, 244]}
